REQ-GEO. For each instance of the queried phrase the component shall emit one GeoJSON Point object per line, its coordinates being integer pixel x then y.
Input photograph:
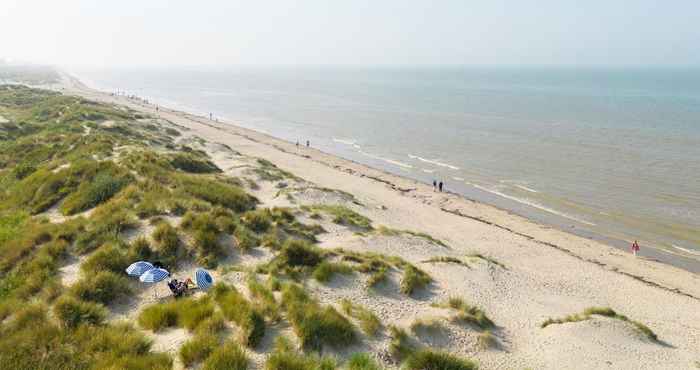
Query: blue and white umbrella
{"type": "Point", "coordinates": [154, 275]}
{"type": "Point", "coordinates": [203, 279]}
{"type": "Point", "coordinates": [138, 268]}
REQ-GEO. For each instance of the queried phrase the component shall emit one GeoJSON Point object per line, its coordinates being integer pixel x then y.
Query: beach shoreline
{"type": "Point", "coordinates": [660, 255]}
{"type": "Point", "coordinates": [532, 272]}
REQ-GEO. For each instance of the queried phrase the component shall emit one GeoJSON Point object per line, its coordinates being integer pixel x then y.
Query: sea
{"type": "Point", "coordinates": [609, 153]}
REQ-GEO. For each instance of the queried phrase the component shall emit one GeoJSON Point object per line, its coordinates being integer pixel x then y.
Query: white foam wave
{"type": "Point", "coordinates": [532, 204]}
{"type": "Point", "coordinates": [387, 160]}
{"type": "Point", "coordinates": [345, 141]}
{"type": "Point", "coordinates": [523, 187]}
{"type": "Point", "coordinates": [686, 250]}
{"type": "Point", "coordinates": [458, 178]}
{"type": "Point", "coordinates": [435, 162]}
{"type": "Point", "coordinates": [427, 170]}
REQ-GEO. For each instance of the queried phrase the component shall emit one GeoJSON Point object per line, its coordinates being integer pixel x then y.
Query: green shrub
{"type": "Point", "coordinates": [362, 361]}
{"type": "Point", "coordinates": [103, 287]}
{"type": "Point", "coordinates": [413, 278]}
{"type": "Point", "coordinates": [140, 249]}
{"type": "Point", "coordinates": [258, 221]}
{"type": "Point", "coordinates": [191, 312]}
{"type": "Point", "coordinates": [197, 349]}
{"type": "Point", "coordinates": [211, 325]}
{"type": "Point", "coordinates": [299, 253]}
{"type": "Point", "coordinates": [72, 312]}
{"type": "Point", "coordinates": [227, 357]}
{"type": "Point", "coordinates": [245, 239]}
{"type": "Point", "coordinates": [434, 360]}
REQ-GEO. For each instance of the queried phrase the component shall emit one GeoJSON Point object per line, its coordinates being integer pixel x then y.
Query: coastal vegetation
{"type": "Point", "coordinates": [91, 188]}
{"type": "Point", "coordinates": [589, 312]}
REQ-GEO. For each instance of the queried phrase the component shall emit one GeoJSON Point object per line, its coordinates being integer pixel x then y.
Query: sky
{"type": "Point", "coordinates": [360, 32]}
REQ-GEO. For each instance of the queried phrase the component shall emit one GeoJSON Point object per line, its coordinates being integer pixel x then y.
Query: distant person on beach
{"type": "Point", "coordinates": [440, 186]}
{"type": "Point", "coordinates": [434, 185]}
{"type": "Point", "coordinates": [307, 143]}
{"type": "Point", "coordinates": [297, 144]}
{"type": "Point", "coordinates": [635, 248]}
{"type": "Point", "coordinates": [210, 116]}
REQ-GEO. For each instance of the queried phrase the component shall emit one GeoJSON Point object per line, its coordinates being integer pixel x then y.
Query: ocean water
{"type": "Point", "coordinates": [611, 152]}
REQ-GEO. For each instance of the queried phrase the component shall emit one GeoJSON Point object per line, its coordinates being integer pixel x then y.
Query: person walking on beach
{"type": "Point", "coordinates": [635, 248]}
{"type": "Point", "coordinates": [440, 186]}
{"type": "Point", "coordinates": [297, 144]}
{"type": "Point", "coordinates": [307, 143]}
{"type": "Point", "coordinates": [434, 185]}
{"type": "Point", "coordinates": [210, 116]}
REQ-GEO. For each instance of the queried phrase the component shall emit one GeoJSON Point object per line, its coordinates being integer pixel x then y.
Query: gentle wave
{"type": "Point", "coordinates": [387, 160]}
{"type": "Point", "coordinates": [458, 178]}
{"type": "Point", "coordinates": [427, 170]}
{"type": "Point", "coordinates": [686, 250]}
{"type": "Point", "coordinates": [345, 141]}
{"type": "Point", "coordinates": [523, 187]}
{"type": "Point", "coordinates": [532, 204]}
{"type": "Point", "coordinates": [447, 165]}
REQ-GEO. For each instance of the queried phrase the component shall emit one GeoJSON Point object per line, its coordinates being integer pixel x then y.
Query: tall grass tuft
{"type": "Point", "coordinates": [229, 356]}
{"type": "Point", "coordinates": [236, 308]}
{"type": "Point", "coordinates": [433, 360]}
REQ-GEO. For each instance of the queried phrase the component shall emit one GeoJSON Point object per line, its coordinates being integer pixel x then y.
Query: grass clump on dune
{"type": "Point", "coordinates": [217, 192]}
{"type": "Point", "coordinates": [446, 259]}
{"type": "Point", "coordinates": [103, 287]}
{"type": "Point", "coordinates": [345, 216]}
{"type": "Point", "coordinates": [167, 243]}
{"type": "Point", "coordinates": [198, 349]}
{"type": "Point", "coordinates": [229, 356]}
{"type": "Point", "coordinates": [72, 312]}
{"type": "Point", "coordinates": [362, 361]}
{"type": "Point", "coordinates": [187, 313]}
{"type": "Point", "coordinates": [325, 270]}
{"type": "Point", "coordinates": [187, 162]}
{"type": "Point", "coordinates": [284, 357]}
{"type": "Point", "coordinates": [400, 345]}
{"type": "Point", "coordinates": [433, 360]}
{"type": "Point", "coordinates": [264, 299]}
{"type": "Point", "coordinates": [95, 191]}
{"type": "Point", "coordinates": [602, 311]}
{"type": "Point", "coordinates": [106, 258]}
{"type": "Point", "coordinates": [467, 313]}
{"type": "Point", "coordinates": [369, 322]}
{"type": "Point", "coordinates": [295, 256]}
{"type": "Point", "coordinates": [236, 308]}
{"type": "Point", "coordinates": [413, 278]}
{"type": "Point", "coordinates": [486, 340]}
{"type": "Point", "coordinates": [314, 324]}
{"type": "Point", "coordinates": [488, 260]}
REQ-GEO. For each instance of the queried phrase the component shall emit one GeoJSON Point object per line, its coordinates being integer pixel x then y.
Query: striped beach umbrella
{"type": "Point", "coordinates": [138, 268]}
{"type": "Point", "coordinates": [203, 279]}
{"type": "Point", "coordinates": [154, 275]}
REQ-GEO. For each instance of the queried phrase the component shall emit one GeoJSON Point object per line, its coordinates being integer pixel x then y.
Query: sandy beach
{"type": "Point", "coordinates": [541, 272]}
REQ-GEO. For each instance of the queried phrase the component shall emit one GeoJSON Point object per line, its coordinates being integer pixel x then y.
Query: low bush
{"type": "Point", "coordinates": [433, 360]}
{"type": "Point", "coordinates": [211, 325]}
{"type": "Point", "coordinates": [189, 163]}
{"type": "Point", "coordinates": [258, 221]}
{"type": "Point", "coordinates": [228, 356]}
{"type": "Point", "coordinates": [218, 193]}
{"type": "Point", "coordinates": [158, 316]}
{"type": "Point", "coordinates": [264, 299]}
{"type": "Point", "coordinates": [188, 313]}
{"type": "Point", "coordinates": [285, 358]}
{"type": "Point", "coordinates": [103, 287]}
{"type": "Point", "coordinates": [245, 239]}
{"type": "Point", "coordinates": [197, 349]}
{"type": "Point", "coordinates": [72, 312]}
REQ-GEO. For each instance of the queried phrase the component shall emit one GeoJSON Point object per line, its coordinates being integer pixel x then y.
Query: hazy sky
{"type": "Point", "coordinates": [328, 32]}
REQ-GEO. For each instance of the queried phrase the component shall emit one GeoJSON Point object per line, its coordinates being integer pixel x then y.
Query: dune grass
{"type": "Point", "coordinates": [103, 287]}
{"type": "Point", "coordinates": [602, 311]}
{"type": "Point", "coordinates": [229, 356]}
{"type": "Point", "coordinates": [434, 360]}
{"type": "Point", "coordinates": [187, 313]}
{"type": "Point", "coordinates": [237, 308]}
{"type": "Point", "coordinates": [488, 259]}
{"type": "Point", "coordinates": [197, 349]}
{"type": "Point", "coordinates": [315, 325]}
{"type": "Point", "coordinates": [263, 299]}
{"type": "Point", "coordinates": [284, 357]}
{"type": "Point", "coordinates": [467, 313]}
{"type": "Point", "coordinates": [362, 361]}
{"type": "Point", "coordinates": [345, 216]}
{"type": "Point", "coordinates": [413, 278]}
{"type": "Point", "coordinates": [369, 322]}
{"type": "Point", "coordinates": [486, 340]}
{"type": "Point", "coordinates": [400, 345]}
{"type": "Point", "coordinates": [446, 259]}
{"type": "Point", "coordinates": [325, 271]}
{"type": "Point", "coordinates": [72, 312]}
